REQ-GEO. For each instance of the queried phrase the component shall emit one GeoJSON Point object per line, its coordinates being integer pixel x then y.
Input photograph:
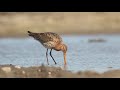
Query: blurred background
{"type": "Point", "coordinates": [18, 23]}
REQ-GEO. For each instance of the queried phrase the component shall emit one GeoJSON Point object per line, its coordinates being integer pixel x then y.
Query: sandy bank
{"type": "Point", "coordinates": [12, 71]}
{"type": "Point", "coordinates": [18, 23]}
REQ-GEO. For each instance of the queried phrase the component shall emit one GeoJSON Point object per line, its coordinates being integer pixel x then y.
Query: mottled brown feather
{"type": "Point", "coordinates": [46, 37]}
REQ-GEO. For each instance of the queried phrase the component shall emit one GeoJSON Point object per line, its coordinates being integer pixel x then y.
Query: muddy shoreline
{"type": "Point", "coordinates": [17, 24]}
{"type": "Point", "coordinates": [12, 71]}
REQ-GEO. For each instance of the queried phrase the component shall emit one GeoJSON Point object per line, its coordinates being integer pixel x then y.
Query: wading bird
{"type": "Point", "coordinates": [50, 41]}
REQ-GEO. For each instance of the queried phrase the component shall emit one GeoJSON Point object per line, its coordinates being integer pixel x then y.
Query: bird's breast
{"type": "Point", "coordinates": [49, 44]}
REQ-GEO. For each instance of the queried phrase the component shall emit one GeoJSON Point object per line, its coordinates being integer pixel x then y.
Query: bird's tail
{"type": "Point", "coordinates": [30, 33]}
{"type": "Point", "coordinates": [34, 35]}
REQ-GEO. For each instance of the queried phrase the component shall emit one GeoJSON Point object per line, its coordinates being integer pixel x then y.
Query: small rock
{"type": "Point", "coordinates": [49, 73]}
{"type": "Point", "coordinates": [6, 69]}
{"type": "Point", "coordinates": [18, 67]}
{"type": "Point", "coordinates": [23, 72]}
{"type": "Point", "coordinates": [39, 70]}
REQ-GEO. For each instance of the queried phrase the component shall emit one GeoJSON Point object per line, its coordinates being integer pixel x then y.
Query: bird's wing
{"type": "Point", "coordinates": [49, 36]}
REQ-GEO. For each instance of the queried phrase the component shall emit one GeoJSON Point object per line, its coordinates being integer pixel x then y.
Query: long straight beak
{"type": "Point", "coordinates": [65, 62]}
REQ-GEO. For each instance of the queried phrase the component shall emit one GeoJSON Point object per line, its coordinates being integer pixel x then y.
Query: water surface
{"type": "Point", "coordinates": [82, 55]}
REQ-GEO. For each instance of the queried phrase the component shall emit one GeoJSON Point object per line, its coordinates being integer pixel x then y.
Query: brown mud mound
{"type": "Point", "coordinates": [12, 71]}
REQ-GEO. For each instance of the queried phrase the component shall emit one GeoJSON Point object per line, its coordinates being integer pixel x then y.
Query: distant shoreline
{"type": "Point", "coordinates": [75, 23]}
{"type": "Point", "coordinates": [25, 35]}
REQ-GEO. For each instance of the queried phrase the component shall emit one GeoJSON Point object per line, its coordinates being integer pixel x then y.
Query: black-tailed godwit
{"type": "Point", "coordinates": [50, 41]}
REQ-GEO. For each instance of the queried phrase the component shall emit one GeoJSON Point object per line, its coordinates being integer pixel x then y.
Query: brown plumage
{"type": "Point", "coordinates": [51, 41]}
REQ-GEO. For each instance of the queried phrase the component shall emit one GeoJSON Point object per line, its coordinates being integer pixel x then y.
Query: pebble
{"type": "Point", "coordinates": [23, 72]}
{"type": "Point", "coordinates": [49, 73]}
{"type": "Point", "coordinates": [18, 67]}
{"type": "Point", "coordinates": [6, 69]}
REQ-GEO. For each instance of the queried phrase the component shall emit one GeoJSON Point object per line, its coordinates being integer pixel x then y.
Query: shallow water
{"type": "Point", "coordinates": [82, 55]}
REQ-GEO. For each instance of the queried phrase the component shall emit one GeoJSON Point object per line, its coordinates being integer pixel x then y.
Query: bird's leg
{"type": "Point", "coordinates": [52, 56]}
{"type": "Point", "coordinates": [47, 56]}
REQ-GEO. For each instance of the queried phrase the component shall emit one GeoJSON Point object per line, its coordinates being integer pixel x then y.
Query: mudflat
{"type": "Point", "coordinates": [12, 71]}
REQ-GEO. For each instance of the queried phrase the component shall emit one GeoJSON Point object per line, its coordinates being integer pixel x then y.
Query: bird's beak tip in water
{"type": "Point", "coordinates": [65, 58]}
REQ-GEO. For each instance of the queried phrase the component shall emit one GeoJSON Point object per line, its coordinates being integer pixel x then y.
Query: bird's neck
{"type": "Point", "coordinates": [59, 47]}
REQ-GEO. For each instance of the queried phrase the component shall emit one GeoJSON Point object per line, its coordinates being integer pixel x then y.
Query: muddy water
{"type": "Point", "coordinates": [82, 54]}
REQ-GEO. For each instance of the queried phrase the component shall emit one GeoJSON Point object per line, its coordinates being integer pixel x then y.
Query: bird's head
{"type": "Point", "coordinates": [62, 47]}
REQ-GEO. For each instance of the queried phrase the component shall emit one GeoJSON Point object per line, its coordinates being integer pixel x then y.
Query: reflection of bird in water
{"type": "Point", "coordinates": [51, 41]}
